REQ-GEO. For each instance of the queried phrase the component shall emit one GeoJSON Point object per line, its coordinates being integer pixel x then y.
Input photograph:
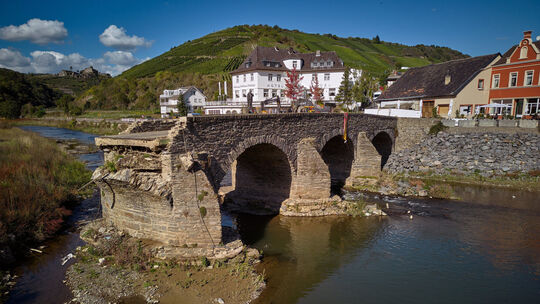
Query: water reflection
{"type": "Point", "coordinates": [484, 251]}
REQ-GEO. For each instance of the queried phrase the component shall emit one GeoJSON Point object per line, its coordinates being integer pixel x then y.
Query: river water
{"type": "Point", "coordinates": [485, 249]}
{"type": "Point", "coordinates": [41, 275]}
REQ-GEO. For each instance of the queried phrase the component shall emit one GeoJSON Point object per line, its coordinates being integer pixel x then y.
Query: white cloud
{"type": "Point", "coordinates": [121, 58]}
{"type": "Point", "coordinates": [117, 38]}
{"type": "Point", "coordinates": [112, 63]}
{"type": "Point", "coordinates": [14, 60]}
{"type": "Point", "coordinates": [36, 31]}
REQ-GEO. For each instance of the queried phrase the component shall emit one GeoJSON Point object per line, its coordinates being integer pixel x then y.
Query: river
{"type": "Point", "coordinates": [41, 275]}
{"type": "Point", "coordinates": [484, 249]}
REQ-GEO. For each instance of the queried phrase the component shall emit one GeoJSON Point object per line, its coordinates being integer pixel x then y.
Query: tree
{"type": "Point", "coordinates": [64, 102]}
{"type": "Point", "coordinates": [315, 90]}
{"type": "Point", "coordinates": [364, 88]}
{"type": "Point", "coordinates": [181, 105]}
{"type": "Point", "coordinates": [345, 88]}
{"type": "Point", "coordinates": [376, 39]}
{"type": "Point", "coordinates": [294, 89]}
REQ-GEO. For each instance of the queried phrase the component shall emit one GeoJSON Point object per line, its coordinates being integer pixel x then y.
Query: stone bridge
{"type": "Point", "coordinates": [168, 180]}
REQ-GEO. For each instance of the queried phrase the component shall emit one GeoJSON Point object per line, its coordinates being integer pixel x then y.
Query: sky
{"type": "Point", "coordinates": [48, 36]}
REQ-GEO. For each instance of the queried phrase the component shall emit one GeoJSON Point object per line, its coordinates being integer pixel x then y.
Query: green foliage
{"type": "Point", "coordinates": [38, 183]}
{"type": "Point", "coordinates": [201, 195]}
{"type": "Point", "coordinates": [225, 50]}
{"type": "Point", "coordinates": [363, 88]}
{"type": "Point", "coordinates": [345, 88]}
{"type": "Point", "coordinates": [203, 211]}
{"type": "Point", "coordinates": [436, 128]}
{"type": "Point", "coordinates": [17, 89]}
{"type": "Point", "coordinates": [110, 166]}
{"type": "Point", "coordinates": [64, 103]}
{"type": "Point", "coordinates": [205, 262]}
{"type": "Point", "coordinates": [434, 113]}
{"type": "Point", "coordinates": [182, 108]}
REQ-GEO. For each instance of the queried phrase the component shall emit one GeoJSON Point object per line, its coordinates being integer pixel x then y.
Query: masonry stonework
{"type": "Point", "coordinates": [166, 178]}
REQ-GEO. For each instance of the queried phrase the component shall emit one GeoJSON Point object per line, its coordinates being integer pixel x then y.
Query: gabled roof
{"type": "Point", "coordinates": [429, 81]}
{"type": "Point", "coordinates": [511, 51]}
{"type": "Point", "coordinates": [275, 56]}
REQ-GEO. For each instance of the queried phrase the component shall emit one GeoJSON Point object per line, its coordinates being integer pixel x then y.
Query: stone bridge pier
{"type": "Point", "coordinates": [165, 180]}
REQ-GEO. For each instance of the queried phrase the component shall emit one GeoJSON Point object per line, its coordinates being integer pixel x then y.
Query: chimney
{"type": "Point", "coordinates": [527, 34]}
{"type": "Point", "coordinates": [447, 79]}
{"type": "Point", "coordinates": [318, 53]}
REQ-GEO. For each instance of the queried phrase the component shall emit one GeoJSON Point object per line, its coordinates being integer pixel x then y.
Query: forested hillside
{"type": "Point", "coordinates": [21, 92]}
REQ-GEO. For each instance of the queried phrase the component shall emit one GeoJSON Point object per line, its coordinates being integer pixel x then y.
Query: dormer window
{"type": "Point", "coordinates": [268, 63]}
{"type": "Point", "coordinates": [523, 52]}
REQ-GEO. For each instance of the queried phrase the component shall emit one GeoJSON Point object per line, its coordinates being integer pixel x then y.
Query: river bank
{"type": "Point", "coordinates": [38, 191]}
{"type": "Point", "coordinates": [87, 125]}
{"type": "Point", "coordinates": [114, 267]}
{"type": "Point", "coordinates": [434, 185]}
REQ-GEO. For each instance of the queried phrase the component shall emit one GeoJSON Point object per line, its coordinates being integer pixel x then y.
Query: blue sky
{"type": "Point", "coordinates": [67, 33]}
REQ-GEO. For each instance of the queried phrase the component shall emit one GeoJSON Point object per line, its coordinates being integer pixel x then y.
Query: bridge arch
{"type": "Point", "coordinates": [338, 155]}
{"type": "Point", "coordinates": [262, 176]}
{"type": "Point", "coordinates": [383, 143]}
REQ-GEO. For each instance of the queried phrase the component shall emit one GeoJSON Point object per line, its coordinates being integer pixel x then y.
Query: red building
{"type": "Point", "coordinates": [515, 79]}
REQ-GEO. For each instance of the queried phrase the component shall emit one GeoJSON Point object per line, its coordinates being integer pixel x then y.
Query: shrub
{"type": "Point", "coordinates": [436, 128]}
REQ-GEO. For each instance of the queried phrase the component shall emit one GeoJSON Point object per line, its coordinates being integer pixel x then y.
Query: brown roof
{"type": "Point", "coordinates": [511, 51]}
{"type": "Point", "coordinates": [260, 56]}
{"type": "Point", "coordinates": [429, 81]}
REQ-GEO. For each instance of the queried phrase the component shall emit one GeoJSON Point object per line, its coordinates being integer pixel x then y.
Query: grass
{"type": "Point", "coordinates": [38, 184]}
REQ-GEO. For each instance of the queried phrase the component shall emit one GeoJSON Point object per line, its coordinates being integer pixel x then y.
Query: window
{"type": "Point", "coordinates": [513, 79]}
{"type": "Point", "coordinates": [496, 80]}
{"type": "Point", "coordinates": [265, 93]}
{"type": "Point", "coordinates": [237, 79]}
{"type": "Point", "coordinates": [243, 93]}
{"type": "Point", "coordinates": [294, 64]}
{"type": "Point", "coordinates": [244, 77]}
{"type": "Point", "coordinates": [251, 75]}
{"type": "Point", "coordinates": [270, 77]}
{"type": "Point", "coordinates": [278, 77]}
{"type": "Point", "coordinates": [326, 76]}
{"type": "Point", "coordinates": [480, 84]}
{"type": "Point", "coordinates": [274, 93]}
{"type": "Point", "coordinates": [237, 94]}
{"type": "Point", "coordinates": [533, 106]}
{"type": "Point", "coordinates": [282, 93]}
{"type": "Point", "coordinates": [268, 64]}
{"type": "Point", "coordinates": [523, 52]}
{"type": "Point", "coordinates": [332, 92]}
{"type": "Point", "coordinates": [529, 78]}
{"type": "Point", "coordinates": [465, 110]}
{"type": "Point", "coordinates": [313, 76]}
{"type": "Point", "coordinates": [505, 110]}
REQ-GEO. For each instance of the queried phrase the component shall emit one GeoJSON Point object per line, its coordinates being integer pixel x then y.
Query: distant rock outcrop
{"type": "Point", "coordinates": [89, 72]}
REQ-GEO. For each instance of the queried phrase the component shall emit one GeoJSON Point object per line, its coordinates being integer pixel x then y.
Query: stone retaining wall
{"type": "Point", "coordinates": [486, 153]}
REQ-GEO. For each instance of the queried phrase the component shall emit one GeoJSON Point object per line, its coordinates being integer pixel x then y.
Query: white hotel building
{"type": "Point", "coordinates": [264, 72]}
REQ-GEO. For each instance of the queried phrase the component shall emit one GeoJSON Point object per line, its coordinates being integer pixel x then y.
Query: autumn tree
{"type": "Point", "coordinates": [315, 90]}
{"type": "Point", "coordinates": [294, 89]}
{"type": "Point", "coordinates": [345, 88]}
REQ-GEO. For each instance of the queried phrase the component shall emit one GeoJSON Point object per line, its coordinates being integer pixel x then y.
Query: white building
{"type": "Point", "coordinates": [193, 98]}
{"type": "Point", "coordinates": [264, 71]}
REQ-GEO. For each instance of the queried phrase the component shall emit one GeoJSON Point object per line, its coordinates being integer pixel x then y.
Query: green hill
{"type": "Point", "coordinates": [68, 85]}
{"type": "Point", "coordinates": [222, 52]}
{"type": "Point", "coordinates": [18, 90]}
{"type": "Point", "coordinates": [206, 61]}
